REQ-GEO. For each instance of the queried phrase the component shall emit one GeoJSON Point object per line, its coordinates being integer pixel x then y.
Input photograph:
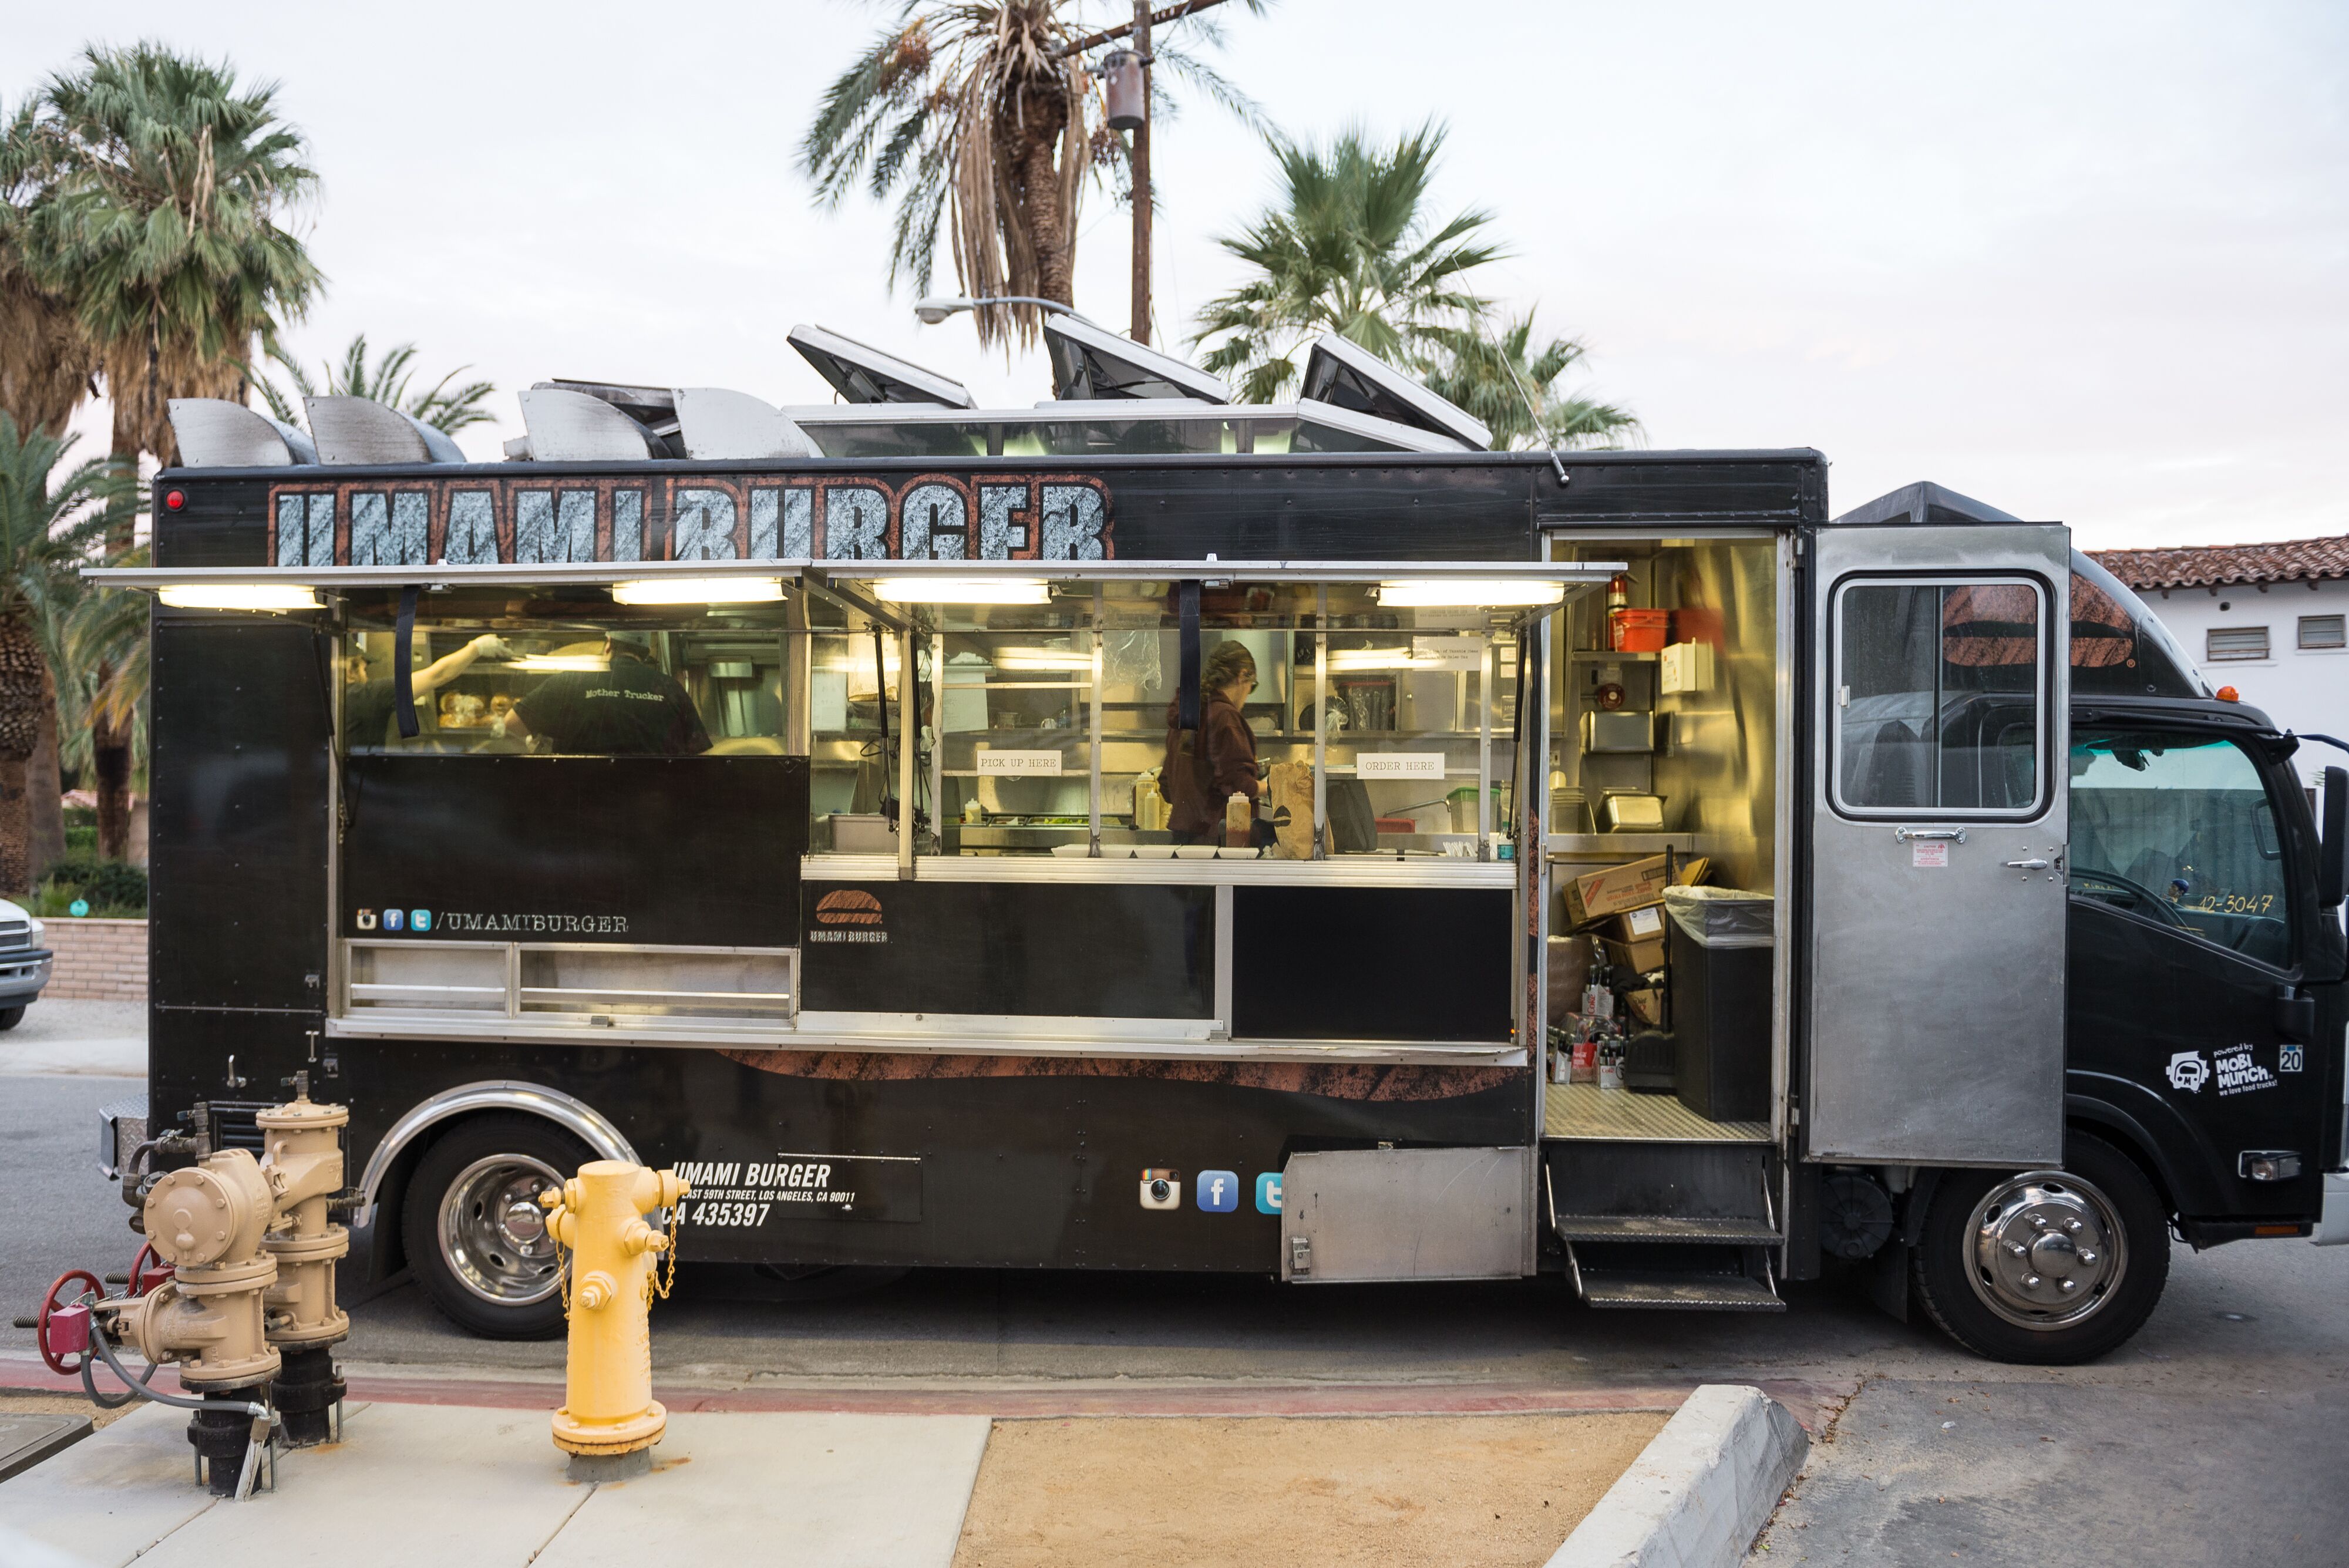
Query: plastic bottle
{"type": "Point", "coordinates": [1239, 820]}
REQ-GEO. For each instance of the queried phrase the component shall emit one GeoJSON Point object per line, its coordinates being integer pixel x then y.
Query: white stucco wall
{"type": "Point", "coordinates": [2301, 689]}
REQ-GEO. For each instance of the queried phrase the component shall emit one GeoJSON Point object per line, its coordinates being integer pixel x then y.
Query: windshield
{"type": "Point", "coordinates": [2180, 830]}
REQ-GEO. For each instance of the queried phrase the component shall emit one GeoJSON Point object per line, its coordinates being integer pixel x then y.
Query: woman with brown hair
{"type": "Point", "coordinates": [1205, 769]}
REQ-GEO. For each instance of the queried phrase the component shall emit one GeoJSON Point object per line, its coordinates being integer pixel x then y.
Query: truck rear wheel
{"type": "Point", "coordinates": [475, 1235]}
{"type": "Point", "coordinates": [2045, 1268]}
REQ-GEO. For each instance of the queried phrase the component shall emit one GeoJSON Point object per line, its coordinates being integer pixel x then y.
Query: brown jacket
{"type": "Point", "coordinates": [1220, 764]}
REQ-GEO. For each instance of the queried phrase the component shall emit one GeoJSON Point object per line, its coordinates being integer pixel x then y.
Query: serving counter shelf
{"type": "Point", "coordinates": [1377, 869]}
{"type": "Point", "coordinates": [1614, 848]}
{"type": "Point", "coordinates": [886, 1034]}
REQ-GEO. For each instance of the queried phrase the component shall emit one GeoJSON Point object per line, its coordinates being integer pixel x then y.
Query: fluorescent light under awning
{"type": "Point", "coordinates": [699, 591]}
{"type": "Point", "coordinates": [274, 599]}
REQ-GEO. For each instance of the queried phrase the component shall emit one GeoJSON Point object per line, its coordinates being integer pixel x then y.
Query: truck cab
{"type": "Point", "coordinates": [2203, 1012]}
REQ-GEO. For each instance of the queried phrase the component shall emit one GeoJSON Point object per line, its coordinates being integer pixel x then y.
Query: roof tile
{"type": "Point", "coordinates": [2216, 565]}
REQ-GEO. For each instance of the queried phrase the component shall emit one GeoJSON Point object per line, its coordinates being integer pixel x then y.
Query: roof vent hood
{"type": "Point", "coordinates": [213, 432]}
{"type": "Point", "coordinates": [1091, 364]}
{"type": "Point", "coordinates": [570, 425]}
{"type": "Point", "coordinates": [361, 431]}
{"type": "Point", "coordinates": [863, 374]}
{"type": "Point", "coordinates": [595, 421]}
{"type": "Point", "coordinates": [1348, 377]}
{"type": "Point", "coordinates": [717, 423]}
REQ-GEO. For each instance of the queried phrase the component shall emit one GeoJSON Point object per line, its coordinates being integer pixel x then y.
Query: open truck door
{"type": "Point", "coordinates": [1938, 827]}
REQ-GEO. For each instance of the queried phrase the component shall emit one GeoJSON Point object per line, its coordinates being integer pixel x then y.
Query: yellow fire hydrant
{"type": "Point", "coordinates": [610, 1420]}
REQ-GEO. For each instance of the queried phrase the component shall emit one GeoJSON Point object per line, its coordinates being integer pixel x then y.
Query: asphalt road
{"type": "Point", "coordinates": [2216, 1434]}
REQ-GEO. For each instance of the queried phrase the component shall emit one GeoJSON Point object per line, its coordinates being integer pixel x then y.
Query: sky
{"type": "Point", "coordinates": [2086, 262]}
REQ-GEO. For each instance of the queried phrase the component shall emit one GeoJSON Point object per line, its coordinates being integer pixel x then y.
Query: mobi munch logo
{"type": "Point", "coordinates": [848, 914]}
{"type": "Point", "coordinates": [2237, 1073]}
{"type": "Point", "coordinates": [521, 522]}
{"type": "Point", "coordinates": [2234, 1071]}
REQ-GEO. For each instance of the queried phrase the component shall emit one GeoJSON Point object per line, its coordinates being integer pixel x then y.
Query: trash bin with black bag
{"type": "Point", "coordinates": [1720, 986]}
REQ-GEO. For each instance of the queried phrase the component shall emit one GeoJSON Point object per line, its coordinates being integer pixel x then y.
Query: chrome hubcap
{"type": "Point", "coordinates": [2047, 1249]}
{"type": "Point", "coordinates": [493, 1233]}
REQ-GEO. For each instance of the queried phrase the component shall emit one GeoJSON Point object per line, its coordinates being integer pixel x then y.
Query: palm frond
{"type": "Point", "coordinates": [978, 122]}
{"type": "Point", "coordinates": [150, 186]}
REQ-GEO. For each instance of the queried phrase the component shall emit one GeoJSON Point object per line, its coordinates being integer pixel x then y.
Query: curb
{"type": "Point", "coordinates": [1014, 1401]}
{"type": "Point", "coordinates": [1699, 1492]}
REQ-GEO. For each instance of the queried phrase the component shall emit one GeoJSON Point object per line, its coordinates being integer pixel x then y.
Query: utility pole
{"type": "Point", "coordinates": [1125, 113]}
{"type": "Point", "coordinates": [1141, 332]}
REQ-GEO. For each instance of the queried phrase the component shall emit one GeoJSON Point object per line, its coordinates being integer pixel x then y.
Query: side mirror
{"type": "Point", "coordinates": [2333, 853]}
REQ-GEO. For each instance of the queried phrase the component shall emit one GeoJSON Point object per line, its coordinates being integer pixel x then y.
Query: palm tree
{"type": "Point", "coordinates": [47, 534]}
{"type": "Point", "coordinates": [1491, 370]}
{"type": "Point", "coordinates": [971, 106]}
{"type": "Point", "coordinates": [445, 408]}
{"type": "Point", "coordinates": [98, 639]}
{"type": "Point", "coordinates": [1350, 248]}
{"type": "Point", "coordinates": [46, 358]}
{"type": "Point", "coordinates": [150, 187]}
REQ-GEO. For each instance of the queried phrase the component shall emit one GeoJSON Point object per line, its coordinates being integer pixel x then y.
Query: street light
{"type": "Point", "coordinates": [937, 307]}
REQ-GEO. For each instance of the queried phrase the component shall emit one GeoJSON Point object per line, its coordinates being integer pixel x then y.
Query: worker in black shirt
{"type": "Point", "coordinates": [631, 710]}
{"type": "Point", "coordinates": [368, 704]}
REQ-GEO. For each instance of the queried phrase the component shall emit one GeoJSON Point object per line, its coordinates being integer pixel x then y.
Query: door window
{"type": "Point", "coordinates": [2180, 830]}
{"type": "Point", "coordinates": [1940, 691]}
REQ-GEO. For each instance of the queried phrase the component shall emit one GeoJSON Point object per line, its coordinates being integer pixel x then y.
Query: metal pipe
{"type": "Point", "coordinates": [908, 749]}
{"type": "Point", "coordinates": [938, 739]}
{"type": "Point", "coordinates": [1320, 720]}
{"type": "Point", "coordinates": [1485, 754]}
{"type": "Point", "coordinates": [1093, 741]}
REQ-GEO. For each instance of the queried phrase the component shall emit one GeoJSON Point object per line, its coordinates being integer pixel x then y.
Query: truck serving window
{"type": "Point", "coordinates": [2178, 829]}
{"type": "Point", "coordinates": [516, 679]}
{"type": "Point", "coordinates": [1938, 697]}
{"type": "Point", "coordinates": [1038, 725]}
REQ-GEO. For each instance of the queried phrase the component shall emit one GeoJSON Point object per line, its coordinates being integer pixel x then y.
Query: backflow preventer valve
{"type": "Point", "coordinates": [243, 1303]}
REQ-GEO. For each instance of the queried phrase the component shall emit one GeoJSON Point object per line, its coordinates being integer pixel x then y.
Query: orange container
{"type": "Point", "coordinates": [1639, 630]}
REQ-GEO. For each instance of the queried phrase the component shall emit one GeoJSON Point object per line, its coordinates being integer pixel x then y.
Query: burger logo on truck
{"type": "Point", "coordinates": [848, 914]}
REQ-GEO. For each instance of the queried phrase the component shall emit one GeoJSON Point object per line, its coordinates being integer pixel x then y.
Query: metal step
{"type": "Point", "coordinates": [1620, 1288]}
{"type": "Point", "coordinates": [1734, 1229]}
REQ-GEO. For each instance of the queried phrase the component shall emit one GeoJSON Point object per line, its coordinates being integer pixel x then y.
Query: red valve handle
{"type": "Point", "coordinates": [49, 1303]}
{"type": "Point", "coordinates": [142, 1279]}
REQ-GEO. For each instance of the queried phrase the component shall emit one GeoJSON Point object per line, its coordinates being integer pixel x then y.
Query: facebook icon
{"type": "Point", "coordinates": [1219, 1191]}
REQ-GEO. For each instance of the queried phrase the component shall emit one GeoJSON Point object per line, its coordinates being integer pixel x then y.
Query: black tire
{"type": "Point", "coordinates": [12, 1016]}
{"type": "Point", "coordinates": [468, 1238]}
{"type": "Point", "coordinates": [2008, 1308]}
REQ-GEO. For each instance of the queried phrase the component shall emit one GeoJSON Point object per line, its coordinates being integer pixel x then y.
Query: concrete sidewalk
{"type": "Point", "coordinates": [105, 1039]}
{"type": "Point", "coordinates": [422, 1483]}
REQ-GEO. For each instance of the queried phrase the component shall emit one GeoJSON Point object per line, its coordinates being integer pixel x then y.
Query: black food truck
{"type": "Point", "coordinates": [1147, 832]}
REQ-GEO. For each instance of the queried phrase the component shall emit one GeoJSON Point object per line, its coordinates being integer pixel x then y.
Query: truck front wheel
{"type": "Point", "coordinates": [2045, 1268]}
{"type": "Point", "coordinates": [475, 1235]}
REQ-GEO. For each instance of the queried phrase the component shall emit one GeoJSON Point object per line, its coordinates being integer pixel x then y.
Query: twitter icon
{"type": "Point", "coordinates": [1268, 1192]}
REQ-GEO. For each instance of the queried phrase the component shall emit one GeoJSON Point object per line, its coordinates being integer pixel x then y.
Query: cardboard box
{"type": "Point", "coordinates": [1621, 889]}
{"type": "Point", "coordinates": [1635, 925]}
{"type": "Point", "coordinates": [1647, 1006]}
{"type": "Point", "coordinates": [1640, 956]}
{"type": "Point", "coordinates": [1569, 972]}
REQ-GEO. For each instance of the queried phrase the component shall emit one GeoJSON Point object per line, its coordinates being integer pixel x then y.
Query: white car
{"type": "Point", "coordinates": [24, 962]}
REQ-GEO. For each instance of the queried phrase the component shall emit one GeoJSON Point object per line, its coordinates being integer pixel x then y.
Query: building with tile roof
{"type": "Point", "coordinates": [2270, 620]}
